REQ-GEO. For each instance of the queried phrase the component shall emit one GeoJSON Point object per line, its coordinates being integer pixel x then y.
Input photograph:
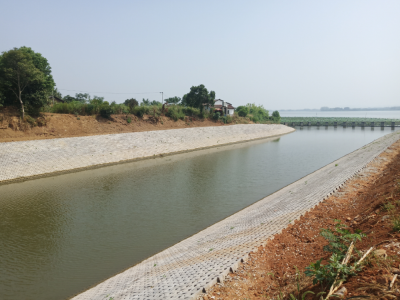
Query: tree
{"type": "Point", "coordinates": [131, 103]}
{"type": "Point", "coordinates": [242, 111]}
{"type": "Point", "coordinates": [174, 100]}
{"type": "Point", "coordinates": [56, 93]}
{"type": "Point", "coordinates": [1, 99]}
{"type": "Point", "coordinates": [276, 116]}
{"type": "Point", "coordinates": [17, 72]}
{"type": "Point", "coordinates": [198, 96]}
{"type": "Point", "coordinates": [25, 79]}
{"type": "Point", "coordinates": [97, 100]}
{"type": "Point", "coordinates": [145, 102]}
{"type": "Point", "coordinates": [82, 97]}
{"type": "Point", "coordinates": [69, 98]}
{"type": "Point", "coordinates": [154, 102]}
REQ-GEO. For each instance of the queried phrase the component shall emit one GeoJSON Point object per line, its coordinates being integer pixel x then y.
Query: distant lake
{"type": "Point", "coordinates": [394, 114]}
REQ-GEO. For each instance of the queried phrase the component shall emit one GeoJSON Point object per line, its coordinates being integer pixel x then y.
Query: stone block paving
{"type": "Point", "coordinates": [38, 158]}
{"type": "Point", "coordinates": [186, 269]}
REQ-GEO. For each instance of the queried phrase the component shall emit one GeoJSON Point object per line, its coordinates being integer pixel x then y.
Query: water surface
{"type": "Point", "coordinates": [63, 234]}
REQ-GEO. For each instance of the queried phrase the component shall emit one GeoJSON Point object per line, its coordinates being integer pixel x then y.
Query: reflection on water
{"type": "Point", "coordinates": [63, 234]}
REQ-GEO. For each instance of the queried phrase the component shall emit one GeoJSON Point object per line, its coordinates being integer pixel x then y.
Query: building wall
{"type": "Point", "coordinates": [230, 112]}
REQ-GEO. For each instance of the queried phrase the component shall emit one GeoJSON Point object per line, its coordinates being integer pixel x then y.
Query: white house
{"type": "Point", "coordinates": [225, 108]}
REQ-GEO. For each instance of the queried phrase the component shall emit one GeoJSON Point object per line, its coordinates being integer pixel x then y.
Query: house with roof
{"type": "Point", "coordinates": [221, 106]}
{"type": "Point", "coordinates": [55, 99]}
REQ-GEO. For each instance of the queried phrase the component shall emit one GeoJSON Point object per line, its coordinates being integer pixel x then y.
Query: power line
{"type": "Point", "coordinates": [108, 92]}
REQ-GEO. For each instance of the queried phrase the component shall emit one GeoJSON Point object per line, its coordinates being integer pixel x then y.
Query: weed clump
{"type": "Point", "coordinates": [396, 224]}
{"type": "Point", "coordinates": [340, 240]}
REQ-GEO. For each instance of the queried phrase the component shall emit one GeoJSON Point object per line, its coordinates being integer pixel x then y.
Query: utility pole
{"type": "Point", "coordinates": [162, 97]}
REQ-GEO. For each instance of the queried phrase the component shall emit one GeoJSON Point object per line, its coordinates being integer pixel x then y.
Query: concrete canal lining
{"type": "Point", "coordinates": [31, 159]}
{"type": "Point", "coordinates": [186, 269]}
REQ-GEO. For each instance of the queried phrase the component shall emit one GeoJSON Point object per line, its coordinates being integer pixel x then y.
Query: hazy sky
{"type": "Point", "coordinates": [282, 54]}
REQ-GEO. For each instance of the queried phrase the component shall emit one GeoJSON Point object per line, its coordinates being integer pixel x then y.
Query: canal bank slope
{"type": "Point", "coordinates": [194, 265]}
{"type": "Point", "coordinates": [368, 203]}
{"type": "Point", "coordinates": [27, 159]}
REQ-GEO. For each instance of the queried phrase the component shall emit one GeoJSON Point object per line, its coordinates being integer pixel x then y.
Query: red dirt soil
{"type": "Point", "coordinates": [271, 271]}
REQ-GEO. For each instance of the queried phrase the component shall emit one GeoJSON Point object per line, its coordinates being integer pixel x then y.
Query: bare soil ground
{"type": "Point", "coordinates": [49, 125]}
{"type": "Point", "coordinates": [369, 202]}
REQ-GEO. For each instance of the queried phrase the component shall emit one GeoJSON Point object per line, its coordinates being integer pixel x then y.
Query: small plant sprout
{"type": "Point", "coordinates": [155, 265]}
{"type": "Point", "coordinates": [303, 296]}
{"type": "Point", "coordinates": [396, 223]}
{"type": "Point", "coordinates": [341, 244]}
{"type": "Point", "coordinates": [211, 249]}
{"type": "Point", "coordinates": [336, 165]}
{"type": "Point", "coordinates": [388, 207]}
{"type": "Point", "coordinates": [340, 239]}
{"type": "Point", "coordinates": [232, 228]}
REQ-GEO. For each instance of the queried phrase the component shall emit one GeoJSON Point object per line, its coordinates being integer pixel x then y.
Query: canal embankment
{"type": "Point", "coordinates": [194, 265]}
{"type": "Point", "coordinates": [368, 203]}
{"type": "Point", "coordinates": [31, 159]}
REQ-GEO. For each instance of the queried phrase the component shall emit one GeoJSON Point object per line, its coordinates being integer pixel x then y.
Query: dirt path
{"type": "Point", "coordinates": [65, 125]}
{"type": "Point", "coordinates": [369, 203]}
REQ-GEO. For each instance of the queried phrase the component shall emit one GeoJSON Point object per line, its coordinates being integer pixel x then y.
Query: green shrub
{"type": "Point", "coordinates": [120, 109]}
{"type": "Point", "coordinates": [276, 117]}
{"type": "Point", "coordinates": [204, 114]}
{"type": "Point", "coordinates": [255, 119]}
{"type": "Point", "coordinates": [92, 108]}
{"type": "Point", "coordinates": [388, 207]}
{"type": "Point", "coordinates": [328, 273]}
{"type": "Point", "coordinates": [175, 112]}
{"type": "Point", "coordinates": [339, 242]}
{"type": "Point", "coordinates": [216, 116]}
{"type": "Point", "coordinates": [396, 224]}
{"type": "Point", "coordinates": [191, 111]}
{"type": "Point", "coordinates": [128, 120]}
{"type": "Point", "coordinates": [140, 111]}
{"type": "Point", "coordinates": [155, 110]}
{"type": "Point", "coordinates": [106, 111]}
{"type": "Point", "coordinates": [30, 120]}
{"type": "Point", "coordinates": [131, 103]}
{"type": "Point", "coordinates": [242, 111]}
{"type": "Point", "coordinates": [339, 239]}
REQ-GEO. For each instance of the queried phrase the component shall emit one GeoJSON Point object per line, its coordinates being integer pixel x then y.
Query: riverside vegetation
{"type": "Point", "coordinates": [26, 83]}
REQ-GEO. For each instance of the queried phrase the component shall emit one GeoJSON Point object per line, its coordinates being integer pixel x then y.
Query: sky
{"type": "Point", "coordinates": [279, 54]}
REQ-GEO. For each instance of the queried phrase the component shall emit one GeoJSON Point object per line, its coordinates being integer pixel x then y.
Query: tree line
{"type": "Point", "coordinates": [26, 82]}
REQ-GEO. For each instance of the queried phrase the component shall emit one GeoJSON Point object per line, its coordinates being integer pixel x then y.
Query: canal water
{"type": "Point", "coordinates": [63, 234]}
